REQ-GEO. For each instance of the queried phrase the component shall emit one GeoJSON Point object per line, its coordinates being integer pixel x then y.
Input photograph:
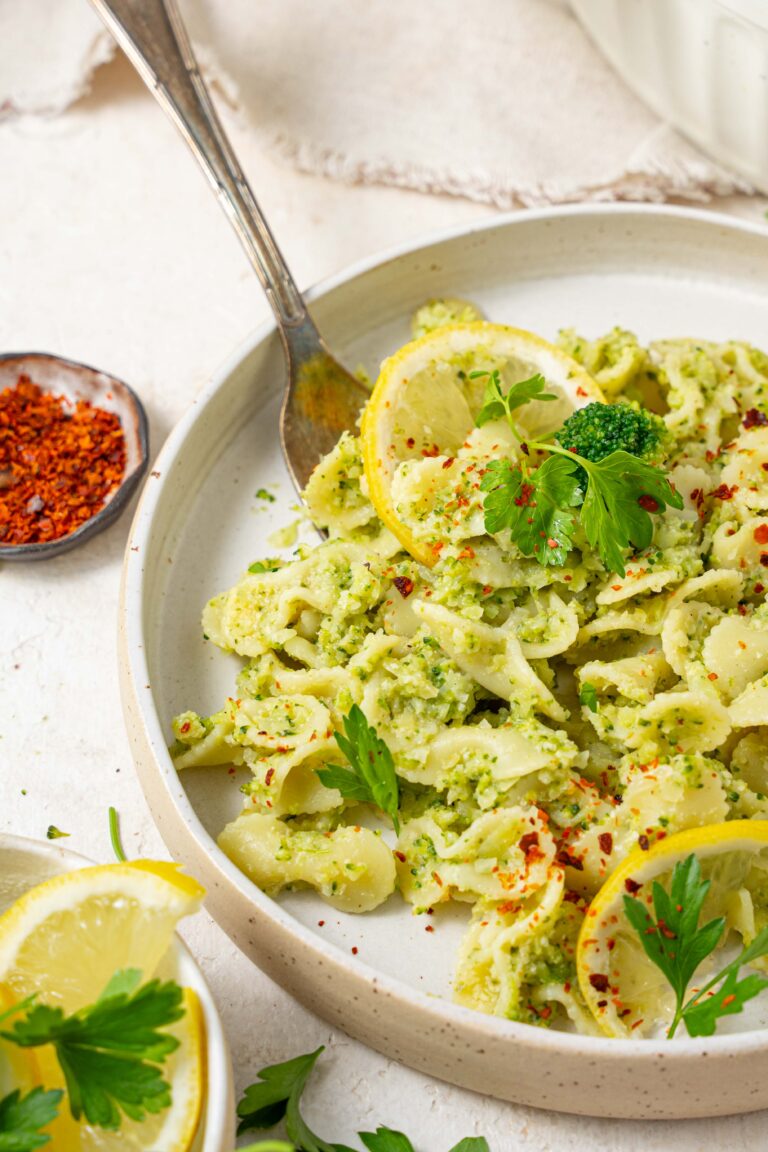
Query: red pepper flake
{"type": "Point", "coordinates": [467, 553]}
{"type": "Point", "coordinates": [429, 928]}
{"type": "Point", "coordinates": [401, 856]}
{"type": "Point", "coordinates": [764, 559]}
{"type": "Point", "coordinates": [581, 391]}
{"type": "Point", "coordinates": [433, 451]}
{"type": "Point", "coordinates": [552, 543]}
{"type": "Point", "coordinates": [437, 879]}
{"type": "Point", "coordinates": [712, 676]}
{"type": "Point", "coordinates": [269, 776]}
{"type": "Point", "coordinates": [759, 588]}
{"type": "Point", "coordinates": [59, 463]}
{"type": "Point", "coordinates": [726, 1000]}
{"type": "Point", "coordinates": [529, 842]}
{"type": "Point", "coordinates": [410, 442]}
{"type": "Point", "coordinates": [632, 886]}
{"type": "Point", "coordinates": [545, 1012]}
{"type": "Point", "coordinates": [648, 503]}
{"type": "Point", "coordinates": [723, 492]}
{"type": "Point", "coordinates": [605, 840]}
{"type": "Point", "coordinates": [524, 499]}
{"type": "Point", "coordinates": [186, 726]}
{"type": "Point", "coordinates": [321, 923]}
{"type": "Point", "coordinates": [404, 586]}
{"type": "Point", "coordinates": [487, 590]}
{"type": "Point", "coordinates": [438, 546]}
{"type": "Point", "coordinates": [447, 463]}
{"type": "Point", "coordinates": [644, 842]}
{"type": "Point", "coordinates": [354, 951]}
{"type": "Point", "coordinates": [753, 418]}
{"type": "Point", "coordinates": [599, 981]}
{"type": "Point", "coordinates": [616, 587]}
{"type": "Point", "coordinates": [568, 861]}
{"type": "Point", "coordinates": [666, 931]}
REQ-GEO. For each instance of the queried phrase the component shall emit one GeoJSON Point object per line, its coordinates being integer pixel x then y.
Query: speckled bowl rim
{"type": "Point", "coordinates": [643, 1052]}
{"type": "Point", "coordinates": [218, 1113]}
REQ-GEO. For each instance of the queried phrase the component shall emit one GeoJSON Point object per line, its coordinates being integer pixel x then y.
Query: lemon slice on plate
{"type": "Point", "coordinates": [65, 939]}
{"type": "Point", "coordinates": [625, 992]}
{"type": "Point", "coordinates": [425, 403]}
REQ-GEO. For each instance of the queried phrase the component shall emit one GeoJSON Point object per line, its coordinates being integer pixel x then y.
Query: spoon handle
{"type": "Point", "coordinates": [153, 37]}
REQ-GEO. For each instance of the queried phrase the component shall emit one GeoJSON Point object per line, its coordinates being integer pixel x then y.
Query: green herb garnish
{"type": "Point", "coordinates": [265, 494]}
{"type": "Point", "coordinates": [55, 833]}
{"type": "Point", "coordinates": [114, 836]}
{"type": "Point", "coordinates": [588, 696]}
{"type": "Point", "coordinates": [276, 1097]}
{"type": "Point", "coordinates": [109, 1052]}
{"type": "Point", "coordinates": [371, 779]}
{"type": "Point", "coordinates": [615, 494]}
{"type": "Point", "coordinates": [677, 945]}
{"type": "Point", "coordinates": [22, 1119]}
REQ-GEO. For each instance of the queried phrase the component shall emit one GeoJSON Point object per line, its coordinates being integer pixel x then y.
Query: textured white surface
{"type": "Point", "coordinates": [114, 252]}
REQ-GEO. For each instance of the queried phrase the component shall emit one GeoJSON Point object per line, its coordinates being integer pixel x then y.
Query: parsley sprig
{"type": "Point", "coordinates": [613, 498]}
{"type": "Point", "coordinates": [371, 779]}
{"type": "Point", "coordinates": [677, 945]}
{"type": "Point", "coordinates": [110, 1052]}
{"type": "Point", "coordinates": [23, 1118]}
{"type": "Point", "coordinates": [275, 1098]}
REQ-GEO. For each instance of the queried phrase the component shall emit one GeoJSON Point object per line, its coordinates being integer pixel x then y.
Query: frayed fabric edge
{"type": "Point", "coordinates": [655, 180]}
{"type": "Point", "coordinates": [101, 50]}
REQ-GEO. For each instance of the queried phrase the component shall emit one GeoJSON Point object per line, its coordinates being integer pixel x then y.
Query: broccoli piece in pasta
{"type": "Point", "coordinates": [597, 430]}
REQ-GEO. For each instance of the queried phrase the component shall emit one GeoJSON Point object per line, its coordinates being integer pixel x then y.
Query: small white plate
{"type": "Point", "coordinates": [661, 272]}
{"type": "Point", "coordinates": [24, 863]}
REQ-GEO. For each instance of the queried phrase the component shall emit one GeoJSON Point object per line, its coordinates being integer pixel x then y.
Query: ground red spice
{"type": "Point", "coordinates": [59, 461]}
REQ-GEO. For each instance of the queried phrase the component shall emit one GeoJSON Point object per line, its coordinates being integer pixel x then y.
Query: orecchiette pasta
{"type": "Point", "coordinates": [542, 719]}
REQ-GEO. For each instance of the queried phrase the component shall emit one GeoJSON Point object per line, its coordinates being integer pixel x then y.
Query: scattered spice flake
{"type": "Point", "coordinates": [410, 442]}
{"type": "Point", "coordinates": [605, 840]}
{"type": "Point", "coordinates": [429, 928]}
{"type": "Point", "coordinates": [724, 492]}
{"type": "Point", "coordinates": [401, 857]}
{"type": "Point", "coordinates": [321, 923]}
{"type": "Point", "coordinates": [648, 503]}
{"type": "Point", "coordinates": [354, 950]}
{"type": "Point", "coordinates": [759, 588]}
{"type": "Point", "coordinates": [764, 559]}
{"type": "Point", "coordinates": [568, 861]}
{"type": "Point", "coordinates": [60, 462]}
{"type": "Point", "coordinates": [644, 842]}
{"type": "Point", "coordinates": [404, 586]}
{"type": "Point", "coordinates": [599, 981]}
{"type": "Point", "coordinates": [712, 676]}
{"type": "Point", "coordinates": [753, 418]}
{"type": "Point", "coordinates": [434, 450]}
{"type": "Point", "coordinates": [447, 463]}
{"type": "Point", "coordinates": [632, 886]}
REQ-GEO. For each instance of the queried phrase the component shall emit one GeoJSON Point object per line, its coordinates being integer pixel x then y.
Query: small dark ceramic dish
{"type": "Point", "coordinates": [79, 382]}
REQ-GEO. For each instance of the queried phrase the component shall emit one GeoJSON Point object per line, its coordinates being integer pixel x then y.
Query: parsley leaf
{"type": "Point", "coordinates": [109, 1051]}
{"type": "Point", "coordinates": [622, 492]}
{"type": "Point", "coordinates": [536, 508]}
{"type": "Point", "coordinates": [386, 1140]}
{"type": "Point", "coordinates": [701, 1018]}
{"type": "Point", "coordinates": [276, 1097]}
{"type": "Point", "coordinates": [497, 403]}
{"type": "Point", "coordinates": [588, 696]}
{"type": "Point", "coordinates": [677, 946]}
{"type": "Point", "coordinates": [372, 778]}
{"type": "Point", "coordinates": [22, 1119]}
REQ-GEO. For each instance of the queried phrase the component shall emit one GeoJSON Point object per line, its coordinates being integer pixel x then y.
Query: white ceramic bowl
{"type": "Point", "coordinates": [664, 272]}
{"type": "Point", "coordinates": [24, 863]}
{"type": "Point", "coordinates": [701, 64]}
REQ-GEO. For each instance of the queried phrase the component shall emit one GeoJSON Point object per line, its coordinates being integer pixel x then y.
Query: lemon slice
{"type": "Point", "coordinates": [625, 992]}
{"type": "Point", "coordinates": [170, 1131]}
{"type": "Point", "coordinates": [424, 403]}
{"type": "Point", "coordinates": [65, 939]}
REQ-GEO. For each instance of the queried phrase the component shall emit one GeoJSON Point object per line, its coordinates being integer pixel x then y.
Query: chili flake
{"type": "Point", "coordinates": [59, 462]}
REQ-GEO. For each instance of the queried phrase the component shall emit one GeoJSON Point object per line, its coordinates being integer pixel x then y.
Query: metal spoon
{"type": "Point", "coordinates": [321, 399]}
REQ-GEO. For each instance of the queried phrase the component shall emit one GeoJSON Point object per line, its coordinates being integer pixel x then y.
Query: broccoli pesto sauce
{"type": "Point", "coordinates": [581, 672]}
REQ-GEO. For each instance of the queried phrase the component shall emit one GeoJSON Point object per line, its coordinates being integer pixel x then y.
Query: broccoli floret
{"type": "Point", "coordinates": [599, 429]}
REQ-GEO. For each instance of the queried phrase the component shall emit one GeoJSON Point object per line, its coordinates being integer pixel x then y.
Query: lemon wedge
{"type": "Point", "coordinates": [64, 940]}
{"type": "Point", "coordinates": [425, 403]}
{"type": "Point", "coordinates": [625, 992]}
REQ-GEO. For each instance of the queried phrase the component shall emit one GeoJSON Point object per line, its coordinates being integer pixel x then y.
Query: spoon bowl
{"type": "Point", "coordinates": [76, 381]}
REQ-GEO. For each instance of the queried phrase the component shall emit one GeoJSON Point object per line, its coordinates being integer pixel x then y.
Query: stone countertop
{"type": "Point", "coordinates": [114, 252]}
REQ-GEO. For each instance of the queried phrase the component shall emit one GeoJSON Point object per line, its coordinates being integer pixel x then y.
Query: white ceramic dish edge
{"type": "Point", "coordinates": [547, 1069]}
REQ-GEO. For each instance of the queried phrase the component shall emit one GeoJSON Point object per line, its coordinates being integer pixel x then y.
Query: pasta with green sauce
{"type": "Point", "coordinates": [543, 720]}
